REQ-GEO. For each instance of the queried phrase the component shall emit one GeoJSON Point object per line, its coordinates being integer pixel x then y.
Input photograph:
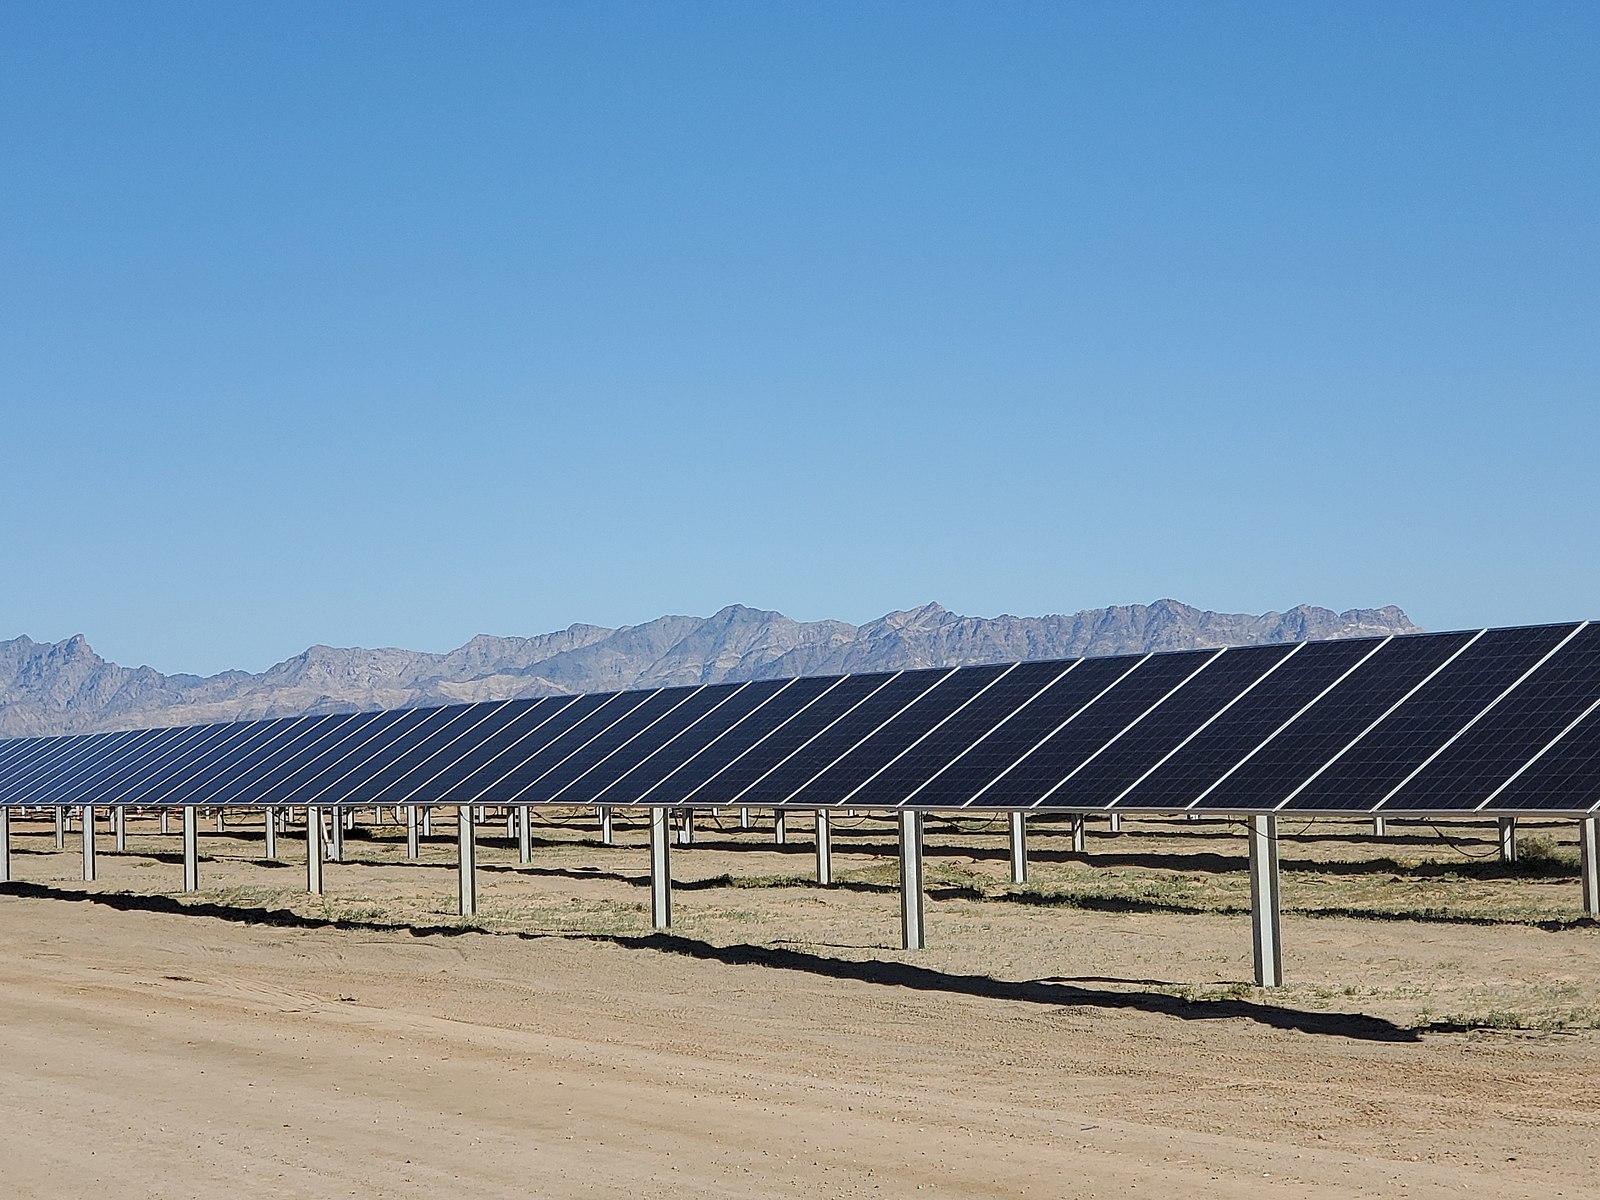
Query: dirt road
{"type": "Point", "coordinates": [147, 1049]}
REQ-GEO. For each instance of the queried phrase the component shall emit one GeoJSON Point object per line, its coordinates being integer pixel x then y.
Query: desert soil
{"type": "Point", "coordinates": [1092, 1035]}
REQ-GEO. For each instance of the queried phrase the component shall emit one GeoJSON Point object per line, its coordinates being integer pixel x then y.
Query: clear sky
{"type": "Point", "coordinates": [392, 324]}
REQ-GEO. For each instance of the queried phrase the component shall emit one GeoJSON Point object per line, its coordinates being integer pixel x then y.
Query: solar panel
{"type": "Point", "coordinates": [718, 714]}
{"type": "Point", "coordinates": [1506, 737]}
{"type": "Point", "coordinates": [1039, 718]}
{"type": "Point", "coordinates": [707, 763]}
{"type": "Point", "coordinates": [1126, 757]}
{"type": "Point", "coordinates": [1261, 782]}
{"type": "Point", "coordinates": [623, 756]}
{"type": "Point", "coordinates": [1040, 770]}
{"type": "Point", "coordinates": [1297, 682]}
{"type": "Point", "coordinates": [879, 705]}
{"type": "Point", "coordinates": [1564, 776]}
{"type": "Point", "coordinates": [1495, 720]}
{"type": "Point", "coordinates": [517, 778]}
{"type": "Point", "coordinates": [879, 744]}
{"type": "Point", "coordinates": [923, 760]}
{"type": "Point", "coordinates": [834, 699]}
{"type": "Point", "coordinates": [520, 730]}
{"type": "Point", "coordinates": [1404, 739]}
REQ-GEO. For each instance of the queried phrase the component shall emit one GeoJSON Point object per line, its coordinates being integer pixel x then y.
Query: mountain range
{"type": "Point", "coordinates": [65, 687]}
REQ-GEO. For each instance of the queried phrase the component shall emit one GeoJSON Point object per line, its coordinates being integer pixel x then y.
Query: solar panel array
{"type": "Point", "coordinates": [1494, 721]}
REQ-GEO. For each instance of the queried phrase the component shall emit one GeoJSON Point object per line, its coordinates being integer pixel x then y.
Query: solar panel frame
{"type": "Point", "coordinates": [179, 772]}
{"type": "Point", "coordinates": [481, 755]}
{"type": "Point", "coordinates": [44, 767]}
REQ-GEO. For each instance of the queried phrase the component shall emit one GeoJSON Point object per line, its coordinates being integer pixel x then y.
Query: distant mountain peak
{"type": "Point", "coordinates": [66, 687]}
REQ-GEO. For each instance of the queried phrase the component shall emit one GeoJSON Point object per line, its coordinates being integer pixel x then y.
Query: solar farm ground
{"type": "Point", "coordinates": [1088, 1034]}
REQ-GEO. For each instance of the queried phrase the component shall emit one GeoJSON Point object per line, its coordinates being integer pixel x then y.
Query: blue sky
{"type": "Point", "coordinates": [391, 324]}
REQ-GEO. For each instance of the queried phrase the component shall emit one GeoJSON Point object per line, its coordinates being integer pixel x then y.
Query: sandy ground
{"type": "Point", "coordinates": [253, 1041]}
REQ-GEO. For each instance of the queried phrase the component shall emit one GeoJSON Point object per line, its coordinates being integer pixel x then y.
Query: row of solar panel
{"type": "Point", "coordinates": [1497, 720]}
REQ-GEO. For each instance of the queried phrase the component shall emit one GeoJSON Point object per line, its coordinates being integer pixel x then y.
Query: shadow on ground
{"type": "Point", "coordinates": [1137, 996]}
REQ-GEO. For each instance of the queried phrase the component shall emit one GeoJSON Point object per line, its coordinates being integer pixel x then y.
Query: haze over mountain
{"type": "Point", "coordinates": [66, 687]}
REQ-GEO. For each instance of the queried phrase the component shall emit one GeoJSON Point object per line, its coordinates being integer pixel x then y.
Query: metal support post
{"type": "Point", "coordinates": [315, 851]}
{"type": "Point", "coordinates": [5, 845]}
{"type": "Point", "coordinates": [427, 820]}
{"type": "Point", "coordinates": [607, 832]}
{"type": "Point", "coordinates": [660, 870]}
{"type": "Point", "coordinates": [779, 833]}
{"type": "Point", "coordinates": [336, 842]}
{"type": "Point", "coordinates": [1508, 839]}
{"type": "Point", "coordinates": [912, 936]}
{"type": "Point", "coordinates": [119, 828]}
{"type": "Point", "coordinates": [191, 849]}
{"type": "Point", "coordinates": [61, 828]}
{"type": "Point", "coordinates": [1116, 823]}
{"type": "Point", "coordinates": [1380, 827]}
{"type": "Point", "coordinates": [686, 827]}
{"type": "Point", "coordinates": [466, 861]}
{"type": "Point", "coordinates": [1019, 848]}
{"type": "Point", "coordinates": [1589, 864]}
{"type": "Point", "coordinates": [744, 818]}
{"type": "Point", "coordinates": [1079, 843]}
{"type": "Point", "coordinates": [269, 826]}
{"type": "Point", "coordinates": [88, 843]}
{"type": "Point", "coordinates": [1266, 934]}
{"type": "Point", "coordinates": [524, 834]}
{"type": "Point", "coordinates": [413, 848]}
{"type": "Point", "coordinates": [824, 848]}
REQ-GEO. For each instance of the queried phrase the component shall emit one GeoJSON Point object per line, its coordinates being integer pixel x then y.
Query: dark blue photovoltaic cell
{"type": "Point", "coordinates": [788, 701]}
{"type": "Point", "coordinates": [624, 737]}
{"type": "Point", "coordinates": [1247, 724]}
{"type": "Point", "coordinates": [159, 788]}
{"type": "Point", "coordinates": [209, 776]}
{"type": "Point", "coordinates": [733, 706]}
{"type": "Point", "coordinates": [623, 754]}
{"type": "Point", "coordinates": [961, 732]}
{"type": "Point", "coordinates": [486, 728]}
{"type": "Point", "coordinates": [1037, 774]}
{"type": "Point", "coordinates": [516, 779]}
{"type": "Point", "coordinates": [126, 770]}
{"type": "Point", "coordinates": [832, 782]}
{"type": "Point", "coordinates": [35, 763]}
{"type": "Point", "coordinates": [348, 780]}
{"type": "Point", "coordinates": [1405, 738]}
{"type": "Point", "coordinates": [67, 757]}
{"type": "Point", "coordinates": [827, 745]}
{"type": "Point", "coordinates": [1139, 747]}
{"type": "Point", "coordinates": [1510, 734]}
{"type": "Point", "coordinates": [257, 777]}
{"type": "Point", "coordinates": [837, 697]}
{"type": "Point", "coordinates": [1566, 778]}
{"type": "Point", "coordinates": [1313, 738]}
{"type": "Point", "coordinates": [365, 782]}
{"type": "Point", "coordinates": [305, 776]}
{"type": "Point", "coordinates": [1032, 723]}
{"type": "Point", "coordinates": [528, 732]}
{"type": "Point", "coordinates": [1509, 720]}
